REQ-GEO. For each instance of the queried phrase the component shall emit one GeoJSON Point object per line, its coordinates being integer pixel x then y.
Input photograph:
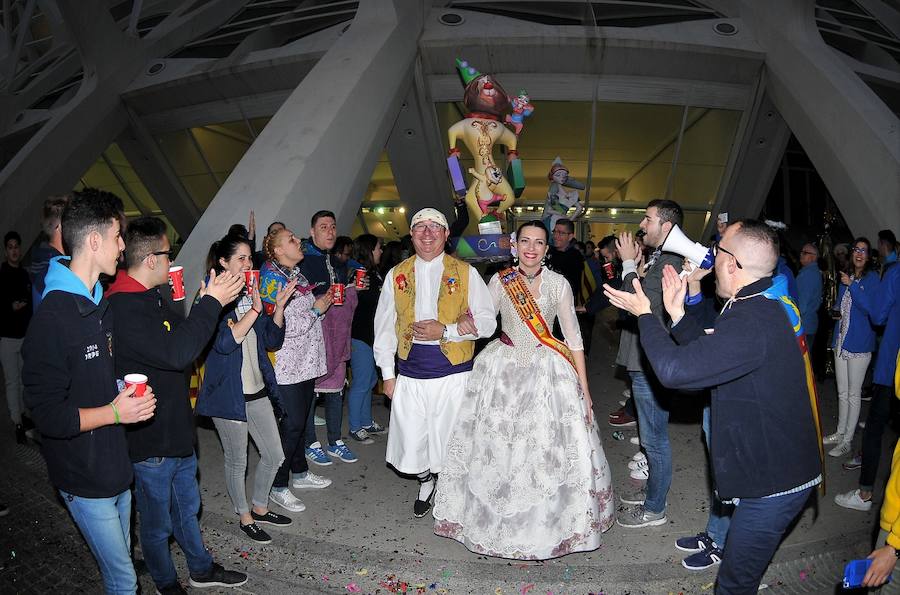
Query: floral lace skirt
{"type": "Point", "coordinates": [525, 475]}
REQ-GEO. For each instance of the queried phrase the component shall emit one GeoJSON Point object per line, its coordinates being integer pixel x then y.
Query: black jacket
{"type": "Point", "coordinates": [15, 286]}
{"type": "Point", "coordinates": [570, 264]}
{"type": "Point", "coordinates": [40, 262]}
{"type": "Point", "coordinates": [68, 354]}
{"type": "Point", "coordinates": [763, 438]}
{"type": "Point", "coordinates": [363, 327]}
{"type": "Point", "coordinates": [315, 269]}
{"type": "Point", "coordinates": [153, 339]}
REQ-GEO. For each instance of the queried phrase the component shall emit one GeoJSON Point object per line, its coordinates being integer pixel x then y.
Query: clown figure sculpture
{"type": "Point", "coordinates": [562, 195]}
{"type": "Point", "coordinates": [489, 193]}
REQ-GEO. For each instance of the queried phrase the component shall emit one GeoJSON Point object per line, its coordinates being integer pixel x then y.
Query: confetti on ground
{"type": "Point", "coordinates": [325, 577]}
{"type": "Point", "coordinates": [526, 588]}
{"type": "Point", "coordinates": [567, 574]}
{"type": "Point", "coordinates": [245, 555]}
{"type": "Point", "coordinates": [707, 586]}
{"type": "Point", "coordinates": [802, 575]}
{"type": "Point", "coordinates": [394, 585]}
{"type": "Point", "coordinates": [353, 588]}
{"type": "Point", "coordinates": [446, 573]}
{"type": "Point", "coordinates": [362, 572]}
{"type": "Point", "coordinates": [498, 591]}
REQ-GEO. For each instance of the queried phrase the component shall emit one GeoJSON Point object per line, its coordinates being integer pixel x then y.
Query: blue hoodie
{"type": "Point", "coordinates": [68, 353]}
{"type": "Point", "coordinates": [61, 278]}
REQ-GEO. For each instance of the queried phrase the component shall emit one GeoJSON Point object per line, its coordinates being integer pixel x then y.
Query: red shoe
{"type": "Point", "coordinates": [622, 420]}
{"type": "Point", "coordinates": [617, 412]}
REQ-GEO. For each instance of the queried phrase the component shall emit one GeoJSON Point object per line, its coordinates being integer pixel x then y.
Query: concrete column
{"type": "Point", "coordinates": [150, 165]}
{"type": "Point", "coordinates": [850, 135]}
{"type": "Point", "coordinates": [320, 148]}
{"type": "Point", "coordinates": [760, 150]}
{"type": "Point", "coordinates": [415, 152]}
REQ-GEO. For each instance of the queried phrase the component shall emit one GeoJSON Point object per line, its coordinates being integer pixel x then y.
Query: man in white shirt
{"type": "Point", "coordinates": [431, 309]}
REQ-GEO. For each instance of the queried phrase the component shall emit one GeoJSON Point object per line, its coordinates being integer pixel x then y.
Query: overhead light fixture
{"type": "Point", "coordinates": [614, 211]}
{"type": "Point", "coordinates": [390, 222]}
{"type": "Point", "coordinates": [451, 19]}
{"type": "Point", "coordinates": [402, 209]}
{"type": "Point", "coordinates": [725, 28]}
{"type": "Point", "coordinates": [380, 210]}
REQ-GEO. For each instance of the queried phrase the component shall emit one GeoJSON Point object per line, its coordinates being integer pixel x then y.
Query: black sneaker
{"type": "Point", "coordinates": [173, 589]}
{"type": "Point", "coordinates": [219, 577]}
{"type": "Point", "coordinates": [421, 507]}
{"type": "Point", "coordinates": [271, 518]}
{"type": "Point", "coordinates": [255, 533]}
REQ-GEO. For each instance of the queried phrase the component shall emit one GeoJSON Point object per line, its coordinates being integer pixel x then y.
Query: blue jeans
{"type": "Point", "coordinates": [719, 512]}
{"type": "Point", "coordinates": [359, 395]}
{"type": "Point", "coordinates": [168, 500]}
{"type": "Point", "coordinates": [334, 418]}
{"type": "Point", "coordinates": [653, 427]}
{"type": "Point", "coordinates": [105, 524]}
{"type": "Point", "coordinates": [757, 526]}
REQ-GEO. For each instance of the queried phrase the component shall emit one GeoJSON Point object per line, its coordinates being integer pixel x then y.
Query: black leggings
{"type": "Point", "coordinates": [296, 400]}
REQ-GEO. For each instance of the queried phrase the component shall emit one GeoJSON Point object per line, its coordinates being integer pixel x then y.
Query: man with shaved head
{"type": "Point", "coordinates": [765, 443]}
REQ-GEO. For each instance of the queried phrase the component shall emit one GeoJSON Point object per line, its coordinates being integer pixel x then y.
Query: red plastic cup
{"type": "Point", "coordinates": [176, 282]}
{"type": "Point", "coordinates": [337, 292]}
{"type": "Point", "coordinates": [360, 278]}
{"type": "Point", "coordinates": [251, 280]}
{"type": "Point", "coordinates": [139, 381]}
{"type": "Point", "coordinates": [608, 270]}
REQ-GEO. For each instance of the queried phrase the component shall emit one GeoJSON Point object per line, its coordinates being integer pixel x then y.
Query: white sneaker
{"type": "Point", "coordinates": [311, 481]}
{"type": "Point", "coordinates": [862, 425]}
{"type": "Point", "coordinates": [285, 499]}
{"type": "Point", "coordinates": [626, 394]}
{"type": "Point", "coordinates": [835, 438]}
{"type": "Point", "coordinates": [840, 450]}
{"type": "Point", "coordinates": [639, 456]}
{"type": "Point", "coordinates": [635, 440]}
{"type": "Point", "coordinates": [642, 471]}
{"type": "Point", "coordinates": [852, 500]}
{"type": "Point", "coordinates": [637, 462]}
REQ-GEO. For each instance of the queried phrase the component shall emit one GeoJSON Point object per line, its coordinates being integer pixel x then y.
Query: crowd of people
{"type": "Point", "coordinates": [491, 414]}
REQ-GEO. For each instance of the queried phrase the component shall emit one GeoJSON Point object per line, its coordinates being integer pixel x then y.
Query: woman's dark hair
{"type": "Point", "coordinates": [363, 250]}
{"type": "Point", "coordinates": [391, 257]}
{"type": "Point", "coordinates": [238, 230]}
{"type": "Point", "coordinates": [870, 263]}
{"type": "Point", "coordinates": [534, 223]}
{"type": "Point", "coordinates": [224, 248]}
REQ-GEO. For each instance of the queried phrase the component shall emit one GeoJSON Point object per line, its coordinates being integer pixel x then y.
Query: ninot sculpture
{"type": "Point", "coordinates": [487, 104]}
{"type": "Point", "coordinates": [562, 195]}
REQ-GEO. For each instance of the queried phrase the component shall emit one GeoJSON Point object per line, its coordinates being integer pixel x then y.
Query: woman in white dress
{"type": "Point", "coordinates": [526, 476]}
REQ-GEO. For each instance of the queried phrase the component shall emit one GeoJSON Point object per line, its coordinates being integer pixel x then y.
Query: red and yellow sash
{"type": "Point", "coordinates": [530, 314]}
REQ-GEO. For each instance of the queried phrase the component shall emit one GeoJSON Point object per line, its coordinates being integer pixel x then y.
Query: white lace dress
{"type": "Point", "coordinates": [525, 475]}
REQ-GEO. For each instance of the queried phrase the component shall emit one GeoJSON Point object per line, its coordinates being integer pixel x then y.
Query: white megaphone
{"type": "Point", "coordinates": [697, 253]}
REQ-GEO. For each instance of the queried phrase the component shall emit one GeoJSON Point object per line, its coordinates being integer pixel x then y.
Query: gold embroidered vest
{"type": "Point", "coordinates": [453, 300]}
